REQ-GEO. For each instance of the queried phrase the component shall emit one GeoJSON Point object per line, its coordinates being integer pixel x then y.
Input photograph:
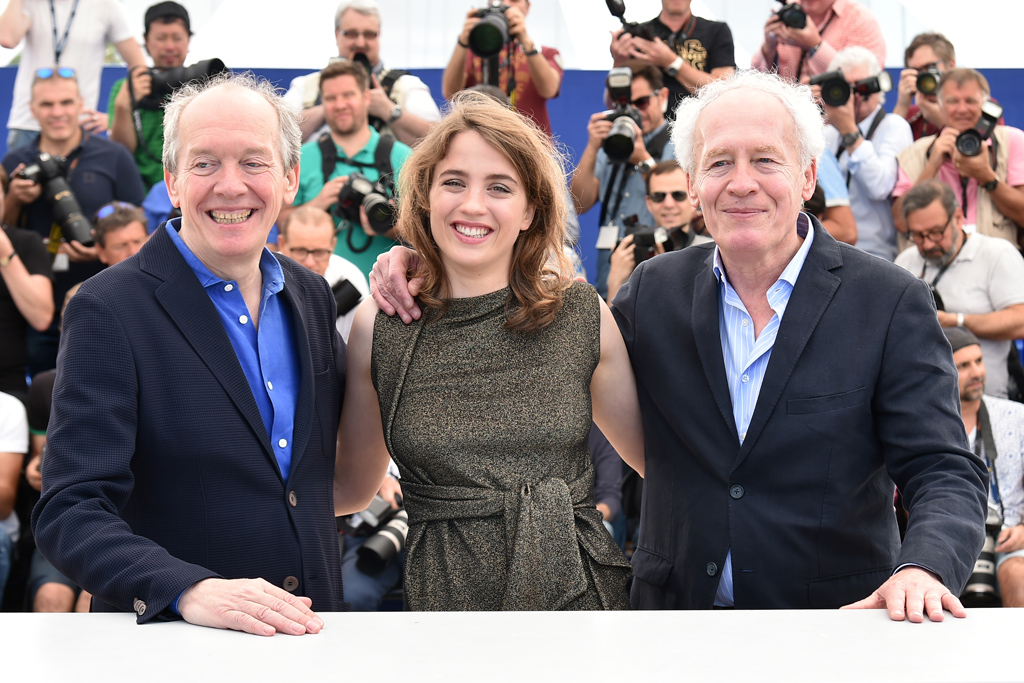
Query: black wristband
{"type": "Point", "coordinates": [461, 44]}
{"type": "Point", "coordinates": [532, 52]}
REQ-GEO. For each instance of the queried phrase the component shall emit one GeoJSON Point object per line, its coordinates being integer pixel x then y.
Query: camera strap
{"type": "Point", "coordinates": [803, 53]}
{"type": "Point", "coordinates": [381, 162]}
{"type": "Point", "coordinates": [875, 123]}
{"type": "Point", "coordinates": [61, 43]}
{"type": "Point", "coordinates": [386, 84]}
{"type": "Point", "coordinates": [985, 448]}
{"type": "Point", "coordinates": [137, 120]}
{"type": "Point", "coordinates": [655, 147]}
{"type": "Point", "coordinates": [942, 270]}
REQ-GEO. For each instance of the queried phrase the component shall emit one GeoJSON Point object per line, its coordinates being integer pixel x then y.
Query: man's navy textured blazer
{"type": "Point", "coordinates": [860, 392]}
{"type": "Point", "coordinates": [159, 471]}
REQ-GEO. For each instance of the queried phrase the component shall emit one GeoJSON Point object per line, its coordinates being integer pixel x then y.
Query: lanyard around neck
{"type": "Point", "coordinates": [60, 44]}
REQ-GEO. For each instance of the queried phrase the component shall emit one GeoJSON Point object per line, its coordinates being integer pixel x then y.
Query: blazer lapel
{"type": "Point", "coordinates": [295, 295]}
{"type": "Point", "coordinates": [707, 336]}
{"type": "Point", "coordinates": [815, 287]}
{"type": "Point", "coordinates": [190, 308]}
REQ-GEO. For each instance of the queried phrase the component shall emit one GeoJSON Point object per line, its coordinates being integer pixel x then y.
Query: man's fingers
{"type": "Point", "coordinates": [933, 606]}
{"type": "Point", "coordinates": [873, 601]}
{"type": "Point", "coordinates": [952, 603]}
{"type": "Point", "coordinates": [912, 602]}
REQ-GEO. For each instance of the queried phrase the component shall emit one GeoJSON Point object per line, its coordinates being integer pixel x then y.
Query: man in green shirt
{"type": "Point", "coordinates": [356, 148]}
{"type": "Point", "coordinates": [167, 36]}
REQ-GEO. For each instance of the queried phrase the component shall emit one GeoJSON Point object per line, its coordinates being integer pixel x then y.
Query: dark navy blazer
{"type": "Point", "coordinates": [860, 392]}
{"type": "Point", "coordinates": [159, 471]}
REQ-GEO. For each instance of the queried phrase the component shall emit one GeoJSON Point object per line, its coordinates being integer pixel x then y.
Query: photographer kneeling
{"type": "Point", "coordinates": [618, 154]}
{"type": "Point", "coordinates": [667, 200]}
{"type": "Point", "coordinates": [373, 546]}
{"type": "Point", "coordinates": [55, 181]}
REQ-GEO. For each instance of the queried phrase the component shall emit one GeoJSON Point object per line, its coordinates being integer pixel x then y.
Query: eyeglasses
{"type": "Point", "coordinates": [642, 102]}
{"type": "Point", "coordinates": [659, 197]}
{"type": "Point", "coordinates": [300, 254]}
{"type": "Point", "coordinates": [352, 34]}
{"type": "Point", "coordinates": [110, 208]}
{"type": "Point", "coordinates": [933, 235]}
{"type": "Point", "coordinates": [49, 72]}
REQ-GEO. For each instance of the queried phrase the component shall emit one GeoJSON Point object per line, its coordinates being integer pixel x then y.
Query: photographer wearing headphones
{"type": "Point", "coordinates": [167, 36]}
{"type": "Point", "coordinates": [619, 184]}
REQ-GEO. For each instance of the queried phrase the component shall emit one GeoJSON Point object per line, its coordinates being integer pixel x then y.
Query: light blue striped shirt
{"type": "Point", "coordinates": [746, 358]}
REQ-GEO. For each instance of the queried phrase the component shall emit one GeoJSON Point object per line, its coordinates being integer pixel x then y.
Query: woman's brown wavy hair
{"type": "Point", "coordinates": [540, 270]}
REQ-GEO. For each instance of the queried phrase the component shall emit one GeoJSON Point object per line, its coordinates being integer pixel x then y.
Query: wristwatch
{"type": "Point", "coordinates": [849, 139]}
{"type": "Point", "coordinates": [646, 166]}
{"type": "Point", "coordinates": [990, 185]}
{"type": "Point", "coordinates": [396, 113]}
{"type": "Point", "coordinates": [959, 319]}
{"type": "Point", "coordinates": [673, 68]}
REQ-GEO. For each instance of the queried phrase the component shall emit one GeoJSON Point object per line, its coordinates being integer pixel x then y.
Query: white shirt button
{"type": "Point", "coordinates": [743, 436]}
{"type": "Point", "coordinates": [745, 322]}
{"type": "Point", "coordinates": [243, 319]}
{"type": "Point", "coordinates": [228, 287]}
{"type": "Point", "coordinates": [270, 385]}
{"type": "Point", "coordinates": [745, 378]}
{"type": "Point", "coordinates": [282, 443]}
{"type": "Point", "coordinates": [778, 289]}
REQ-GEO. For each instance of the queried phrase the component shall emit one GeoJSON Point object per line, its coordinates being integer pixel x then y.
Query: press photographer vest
{"type": "Point", "coordinates": [988, 218]}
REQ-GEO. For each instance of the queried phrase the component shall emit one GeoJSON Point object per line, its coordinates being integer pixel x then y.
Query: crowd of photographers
{"type": "Point", "coordinates": [936, 186]}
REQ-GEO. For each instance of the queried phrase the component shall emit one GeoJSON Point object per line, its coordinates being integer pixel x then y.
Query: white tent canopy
{"type": "Point", "coordinates": [421, 33]}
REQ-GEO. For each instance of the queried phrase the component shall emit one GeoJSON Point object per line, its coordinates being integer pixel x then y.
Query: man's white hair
{"type": "Point", "coordinates": [796, 98]}
{"type": "Point", "coordinates": [851, 57]}
{"type": "Point", "coordinates": [368, 8]}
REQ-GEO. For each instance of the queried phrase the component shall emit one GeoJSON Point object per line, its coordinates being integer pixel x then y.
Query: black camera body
{"type": "Point", "coordinates": [360, 191]}
{"type": "Point", "coordinates": [928, 80]}
{"type": "Point", "coordinates": [166, 81]}
{"type": "Point", "coordinates": [792, 15]}
{"type": "Point", "coordinates": [618, 10]}
{"type": "Point", "coordinates": [971, 142]}
{"type": "Point", "coordinates": [491, 32]}
{"type": "Point", "coordinates": [391, 531]}
{"type": "Point", "coordinates": [835, 91]}
{"type": "Point", "coordinates": [48, 172]}
{"type": "Point", "coordinates": [618, 145]}
{"type": "Point", "coordinates": [982, 589]}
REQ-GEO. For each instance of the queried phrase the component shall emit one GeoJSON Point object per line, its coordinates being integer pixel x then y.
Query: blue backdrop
{"type": "Point", "coordinates": [581, 96]}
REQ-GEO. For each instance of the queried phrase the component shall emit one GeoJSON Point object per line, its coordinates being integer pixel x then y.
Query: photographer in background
{"type": "Point", "coordinates": [866, 140]}
{"type": "Point", "coordinates": [800, 52]}
{"type": "Point", "coordinates": [167, 36]}
{"type": "Point", "coordinates": [989, 179]}
{"type": "Point", "coordinates": [528, 73]}
{"type": "Point", "coordinates": [97, 170]}
{"type": "Point", "coordinates": [72, 33]}
{"type": "Point", "coordinates": [926, 59]}
{"type": "Point", "coordinates": [995, 429]}
{"type": "Point", "coordinates": [120, 232]}
{"type": "Point", "coordinates": [689, 50]}
{"type": "Point", "coordinates": [400, 103]}
{"type": "Point", "coordinates": [620, 186]}
{"type": "Point", "coordinates": [352, 146]}
{"type": "Point", "coordinates": [666, 200]}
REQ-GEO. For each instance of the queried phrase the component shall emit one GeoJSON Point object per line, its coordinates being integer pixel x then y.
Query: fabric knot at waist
{"type": "Point", "coordinates": [542, 543]}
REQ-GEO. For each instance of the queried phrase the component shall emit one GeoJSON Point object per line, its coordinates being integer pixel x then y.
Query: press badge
{"type": "Point", "coordinates": [608, 237]}
{"type": "Point", "coordinates": [61, 263]}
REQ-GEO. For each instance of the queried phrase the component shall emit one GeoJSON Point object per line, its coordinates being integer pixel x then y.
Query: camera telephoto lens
{"type": "Point", "coordinates": [620, 141]}
{"type": "Point", "coordinates": [490, 35]}
{"type": "Point", "coordinates": [969, 143]}
{"type": "Point", "coordinates": [928, 81]}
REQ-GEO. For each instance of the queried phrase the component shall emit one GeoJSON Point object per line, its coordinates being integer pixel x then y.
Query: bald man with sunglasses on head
{"type": "Point", "coordinates": [596, 173]}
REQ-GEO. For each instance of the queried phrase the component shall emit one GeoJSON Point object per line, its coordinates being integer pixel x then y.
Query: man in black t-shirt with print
{"type": "Point", "coordinates": [690, 50]}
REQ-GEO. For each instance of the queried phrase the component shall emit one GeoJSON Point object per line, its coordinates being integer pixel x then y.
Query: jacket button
{"type": "Point", "coordinates": [712, 568]}
{"type": "Point", "coordinates": [293, 499]}
{"type": "Point", "coordinates": [140, 607]}
{"type": "Point", "coordinates": [290, 584]}
{"type": "Point", "coordinates": [736, 491]}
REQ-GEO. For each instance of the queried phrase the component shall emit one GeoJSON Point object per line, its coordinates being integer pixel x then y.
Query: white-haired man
{"type": "Point", "coordinates": [400, 103]}
{"type": "Point", "coordinates": [866, 141]}
{"type": "Point", "coordinates": [787, 382]}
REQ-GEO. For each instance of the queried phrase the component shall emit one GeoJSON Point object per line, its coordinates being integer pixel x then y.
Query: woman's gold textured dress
{"type": "Point", "coordinates": [489, 429]}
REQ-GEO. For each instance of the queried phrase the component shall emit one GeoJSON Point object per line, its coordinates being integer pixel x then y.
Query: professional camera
{"type": "Point", "coordinates": [48, 172]}
{"type": "Point", "coordinates": [358, 191]}
{"type": "Point", "coordinates": [835, 91]}
{"type": "Point", "coordinates": [491, 33]}
{"type": "Point", "coordinates": [622, 136]}
{"type": "Point", "coordinates": [982, 589]}
{"type": "Point", "coordinates": [346, 296]}
{"type": "Point", "coordinates": [792, 15]}
{"type": "Point", "coordinates": [928, 80]}
{"type": "Point", "coordinates": [392, 529]}
{"type": "Point", "coordinates": [166, 81]}
{"type": "Point", "coordinates": [971, 142]}
{"type": "Point", "coordinates": [618, 10]}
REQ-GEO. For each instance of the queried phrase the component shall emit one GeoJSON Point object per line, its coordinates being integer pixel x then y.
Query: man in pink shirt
{"type": "Point", "coordinates": [989, 185]}
{"type": "Point", "coordinates": [799, 53]}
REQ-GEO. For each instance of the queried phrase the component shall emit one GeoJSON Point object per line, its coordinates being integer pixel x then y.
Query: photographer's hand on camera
{"type": "Point", "coordinates": [391, 491]}
{"type": "Point", "coordinates": [597, 130]}
{"type": "Point", "coordinates": [623, 262]}
{"type": "Point", "coordinates": [23, 190]}
{"type": "Point", "coordinates": [622, 47]}
{"type": "Point", "coordinates": [906, 89]}
{"type": "Point", "coordinates": [843, 118]}
{"type": "Point", "coordinates": [640, 153]}
{"type": "Point", "coordinates": [976, 167]}
{"type": "Point", "coordinates": [380, 104]}
{"type": "Point", "coordinates": [1010, 539]}
{"type": "Point", "coordinates": [777, 32]}
{"type": "Point", "coordinates": [328, 195]}
{"type": "Point", "coordinates": [78, 252]}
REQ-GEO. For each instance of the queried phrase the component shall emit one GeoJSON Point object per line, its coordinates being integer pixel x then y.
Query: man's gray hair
{"type": "Point", "coordinates": [368, 8]}
{"type": "Point", "coordinates": [854, 56]}
{"type": "Point", "coordinates": [796, 98]}
{"type": "Point", "coordinates": [923, 195]}
{"type": "Point", "coordinates": [289, 134]}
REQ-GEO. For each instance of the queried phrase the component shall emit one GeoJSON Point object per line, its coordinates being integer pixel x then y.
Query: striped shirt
{"type": "Point", "coordinates": [746, 357]}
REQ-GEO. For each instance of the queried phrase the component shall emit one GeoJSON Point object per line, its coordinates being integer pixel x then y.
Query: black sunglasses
{"type": "Point", "coordinates": [659, 197]}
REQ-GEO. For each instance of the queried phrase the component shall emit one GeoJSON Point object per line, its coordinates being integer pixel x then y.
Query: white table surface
{"type": "Point", "coordinates": [789, 646]}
